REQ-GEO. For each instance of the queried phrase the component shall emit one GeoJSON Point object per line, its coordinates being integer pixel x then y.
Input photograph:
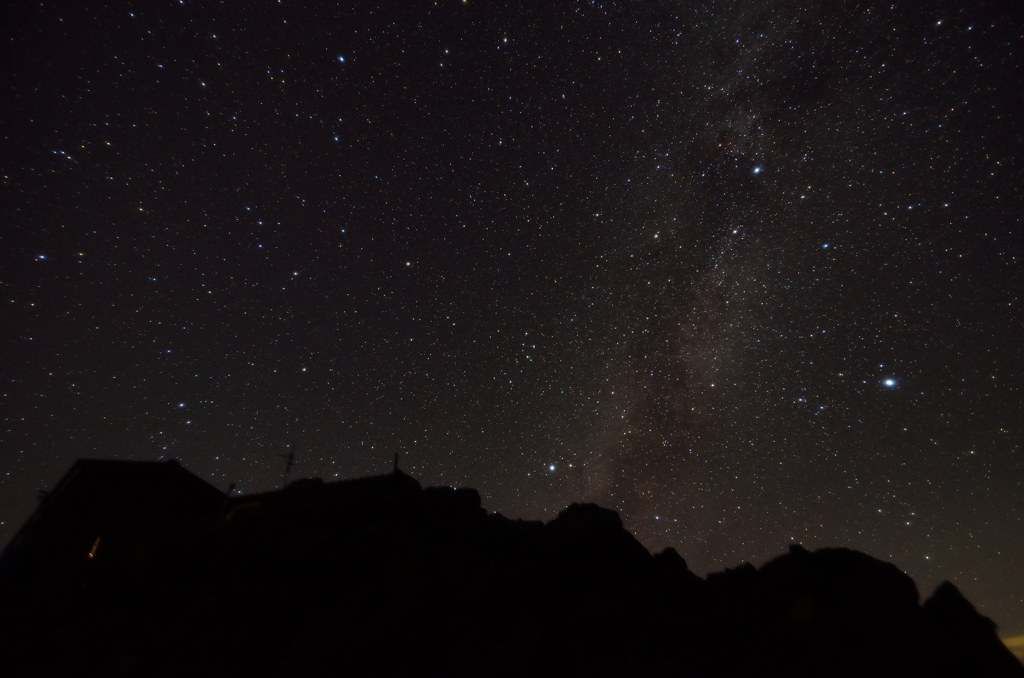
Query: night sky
{"type": "Point", "coordinates": [748, 272]}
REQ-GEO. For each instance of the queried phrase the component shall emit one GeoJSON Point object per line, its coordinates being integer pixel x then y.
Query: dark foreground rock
{"type": "Point", "coordinates": [380, 577]}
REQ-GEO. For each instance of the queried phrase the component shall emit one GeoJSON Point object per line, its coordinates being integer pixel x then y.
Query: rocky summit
{"type": "Point", "coordinates": [379, 576]}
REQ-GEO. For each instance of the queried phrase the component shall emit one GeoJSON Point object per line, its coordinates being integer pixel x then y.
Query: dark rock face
{"type": "Point", "coordinates": [981, 652]}
{"type": "Point", "coordinates": [380, 577]}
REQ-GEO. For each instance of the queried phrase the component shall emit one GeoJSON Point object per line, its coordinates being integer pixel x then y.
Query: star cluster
{"type": "Point", "coordinates": [749, 273]}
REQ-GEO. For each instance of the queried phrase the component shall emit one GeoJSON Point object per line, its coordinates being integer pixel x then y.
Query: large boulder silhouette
{"type": "Point", "coordinates": [977, 647]}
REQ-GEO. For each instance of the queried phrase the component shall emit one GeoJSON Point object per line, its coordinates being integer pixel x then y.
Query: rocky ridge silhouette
{"type": "Point", "coordinates": [379, 576]}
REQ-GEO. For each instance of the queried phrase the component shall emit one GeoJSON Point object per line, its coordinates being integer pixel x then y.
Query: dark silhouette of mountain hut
{"type": "Point", "coordinates": [104, 507]}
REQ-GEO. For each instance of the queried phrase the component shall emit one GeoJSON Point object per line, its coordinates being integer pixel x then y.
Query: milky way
{"type": "Point", "coordinates": [749, 273]}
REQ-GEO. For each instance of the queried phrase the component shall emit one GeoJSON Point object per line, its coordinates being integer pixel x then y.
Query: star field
{"type": "Point", "coordinates": [749, 273]}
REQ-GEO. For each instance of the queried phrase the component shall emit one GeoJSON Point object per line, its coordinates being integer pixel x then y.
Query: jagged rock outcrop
{"type": "Point", "coordinates": [378, 576]}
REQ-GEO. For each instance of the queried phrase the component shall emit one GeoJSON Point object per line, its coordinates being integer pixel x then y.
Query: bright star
{"type": "Point", "coordinates": [757, 170]}
{"type": "Point", "coordinates": [551, 467]}
{"type": "Point", "coordinates": [889, 382]}
{"type": "Point", "coordinates": [341, 59]}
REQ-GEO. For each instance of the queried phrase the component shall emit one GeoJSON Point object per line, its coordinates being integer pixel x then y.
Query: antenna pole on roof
{"type": "Point", "coordinates": [291, 462]}
{"type": "Point", "coordinates": [396, 463]}
{"type": "Point", "coordinates": [227, 500]}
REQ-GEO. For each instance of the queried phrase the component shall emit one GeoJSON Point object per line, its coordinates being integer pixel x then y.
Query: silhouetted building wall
{"type": "Point", "coordinates": [103, 506]}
